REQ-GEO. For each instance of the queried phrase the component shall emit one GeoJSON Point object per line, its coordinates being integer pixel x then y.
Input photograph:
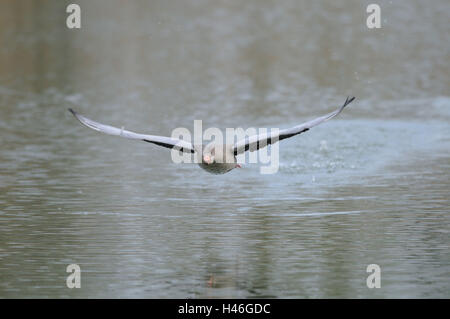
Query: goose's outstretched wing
{"type": "Point", "coordinates": [256, 142]}
{"type": "Point", "coordinates": [164, 141]}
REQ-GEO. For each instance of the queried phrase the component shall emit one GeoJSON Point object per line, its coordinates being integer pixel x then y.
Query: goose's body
{"type": "Point", "coordinates": [214, 158]}
{"type": "Point", "coordinates": [214, 164]}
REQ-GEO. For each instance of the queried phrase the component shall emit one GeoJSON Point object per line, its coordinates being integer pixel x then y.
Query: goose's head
{"type": "Point", "coordinates": [208, 158]}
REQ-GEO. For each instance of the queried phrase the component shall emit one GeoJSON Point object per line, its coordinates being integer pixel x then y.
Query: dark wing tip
{"type": "Point", "coordinates": [76, 115]}
{"type": "Point", "coordinates": [348, 100]}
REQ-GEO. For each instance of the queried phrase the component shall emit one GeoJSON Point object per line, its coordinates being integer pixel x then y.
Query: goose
{"type": "Point", "coordinates": [213, 157]}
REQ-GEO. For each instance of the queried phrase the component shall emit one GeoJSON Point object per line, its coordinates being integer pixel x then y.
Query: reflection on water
{"type": "Point", "coordinates": [371, 186]}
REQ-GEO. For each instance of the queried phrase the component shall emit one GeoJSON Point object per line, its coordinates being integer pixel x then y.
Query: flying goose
{"type": "Point", "coordinates": [212, 157]}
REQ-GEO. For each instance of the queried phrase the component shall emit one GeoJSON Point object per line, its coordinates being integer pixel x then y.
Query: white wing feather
{"type": "Point", "coordinates": [155, 139]}
{"type": "Point", "coordinates": [256, 142]}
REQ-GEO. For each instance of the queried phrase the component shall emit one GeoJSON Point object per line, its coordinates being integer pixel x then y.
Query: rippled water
{"type": "Point", "coordinates": [369, 187]}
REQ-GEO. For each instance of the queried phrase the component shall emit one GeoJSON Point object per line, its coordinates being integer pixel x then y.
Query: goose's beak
{"type": "Point", "coordinates": [207, 159]}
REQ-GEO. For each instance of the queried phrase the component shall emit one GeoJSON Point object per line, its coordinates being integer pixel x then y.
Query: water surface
{"type": "Point", "coordinates": [369, 187]}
